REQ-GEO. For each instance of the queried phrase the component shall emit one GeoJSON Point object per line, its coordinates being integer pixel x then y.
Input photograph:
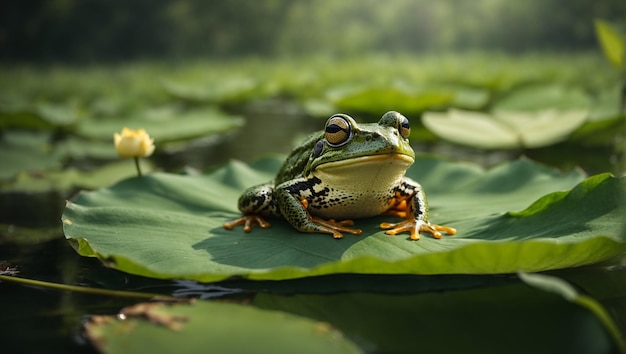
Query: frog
{"type": "Point", "coordinates": [345, 171]}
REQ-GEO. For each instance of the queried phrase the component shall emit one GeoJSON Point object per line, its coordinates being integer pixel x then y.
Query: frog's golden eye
{"type": "Point", "coordinates": [404, 128]}
{"type": "Point", "coordinates": [396, 120]}
{"type": "Point", "coordinates": [338, 131]}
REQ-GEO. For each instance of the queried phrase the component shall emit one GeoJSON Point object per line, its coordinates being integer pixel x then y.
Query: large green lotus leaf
{"type": "Point", "coordinates": [505, 129]}
{"type": "Point", "coordinates": [375, 100]}
{"type": "Point", "coordinates": [540, 97]}
{"type": "Point", "coordinates": [212, 327]}
{"type": "Point", "coordinates": [542, 314]}
{"type": "Point", "coordinates": [170, 226]}
{"type": "Point", "coordinates": [66, 179]}
{"type": "Point", "coordinates": [165, 125]}
{"type": "Point", "coordinates": [39, 116]}
{"type": "Point", "coordinates": [26, 152]}
{"type": "Point", "coordinates": [226, 89]}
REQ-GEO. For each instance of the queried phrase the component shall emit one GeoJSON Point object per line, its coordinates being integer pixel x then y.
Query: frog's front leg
{"type": "Point", "coordinates": [255, 203]}
{"type": "Point", "coordinates": [294, 197]}
{"type": "Point", "coordinates": [409, 202]}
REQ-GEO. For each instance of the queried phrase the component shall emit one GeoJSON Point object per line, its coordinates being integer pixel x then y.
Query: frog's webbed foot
{"type": "Point", "coordinates": [248, 220]}
{"type": "Point", "coordinates": [330, 226]}
{"type": "Point", "coordinates": [335, 228]}
{"type": "Point", "coordinates": [414, 227]}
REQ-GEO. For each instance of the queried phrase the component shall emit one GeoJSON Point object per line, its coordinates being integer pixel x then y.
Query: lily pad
{"type": "Point", "coordinates": [540, 97]}
{"type": "Point", "coordinates": [518, 216]}
{"type": "Point", "coordinates": [539, 315]}
{"type": "Point", "coordinates": [165, 125]}
{"type": "Point", "coordinates": [39, 116]}
{"type": "Point", "coordinates": [505, 129]}
{"type": "Point", "coordinates": [204, 327]}
{"type": "Point", "coordinates": [230, 89]}
{"type": "Point", "coordinates": [375, 99]}
{"type": "Point", "coordinates": [26, 152]}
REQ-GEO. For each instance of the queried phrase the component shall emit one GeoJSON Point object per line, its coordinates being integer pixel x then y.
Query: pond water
{"type": "Point", "coordinates": [36, 319]}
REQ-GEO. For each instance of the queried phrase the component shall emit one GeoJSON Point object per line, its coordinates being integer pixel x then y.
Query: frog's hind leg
{"type": "Point", "coordinates": [296, 212]}
{"type": "Point", "coordinates": [255, 203]}
{"type": "Point", "coordinates": [335, 228]}
{"type": "Point", "coordinates": [414, 209]}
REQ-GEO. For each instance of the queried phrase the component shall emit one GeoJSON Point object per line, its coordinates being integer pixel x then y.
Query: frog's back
{"type": "Point", "coordinates": [296, 162]}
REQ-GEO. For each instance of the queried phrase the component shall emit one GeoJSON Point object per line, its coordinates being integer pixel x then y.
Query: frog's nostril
{"type": "Point", "coordinates": [375, 135]}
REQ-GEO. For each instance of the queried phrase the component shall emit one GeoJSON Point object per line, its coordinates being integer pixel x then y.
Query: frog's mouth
{"type": "Point", "coordinates": [367, 167]}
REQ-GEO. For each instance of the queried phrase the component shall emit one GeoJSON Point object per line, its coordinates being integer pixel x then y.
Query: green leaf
{"type": "Point", "coordinates": [166, 125]}
{"type": "Point", "coordinates": [212, 327]}
{"type": "Point", "coordinates": [224, 90]}
{"type": "Point", "coordinates": [613, 45]}
{"type": "Point", "coordinates": [40, 116]}
{"type": "Point", "coordinates": [170, 226]}
{"type": "Point", "coordinates": [376, 100]}
{"type": "Point", "coordinates": [542, 97]}
{"type": "Point", "coordinates": [26, 152]}
{"type": "Point", "coordinates": [512, 317]}
{"type": "Point", "coordinates": [568, 292]}
{"type": "Point", "coordinates": [504, 129]}
{"type": "Point", "coordinates": [64, 180]}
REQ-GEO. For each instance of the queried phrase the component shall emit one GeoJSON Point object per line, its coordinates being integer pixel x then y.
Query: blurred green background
{"type": "Point", "coordinates": [98, 30]}
{"type": "Point", "coordinates": [216, 80]}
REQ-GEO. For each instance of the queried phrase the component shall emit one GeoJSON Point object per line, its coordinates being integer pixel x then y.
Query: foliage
{"type": "Point", "coordinates": [613, 44]}
{"type": "Point", "coordinates": [58, 29]}
{"type": "Point", "coordinates": [56, 126]}
{"type": "Point", "coordinates": [60, 117]}
{"type": "Point", "coordinates": [545, 301]}
{"type": "Point", "coordinates": [507, 220]}
{"type": "Point", "coordinates": [213, 327]}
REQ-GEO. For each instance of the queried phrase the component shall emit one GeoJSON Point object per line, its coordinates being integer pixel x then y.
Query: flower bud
{"type": "Point", "coordinates": [133, 143]}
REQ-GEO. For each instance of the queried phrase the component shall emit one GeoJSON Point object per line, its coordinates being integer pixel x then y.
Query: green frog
{"type": "Point", "coordinates": [346, 171]}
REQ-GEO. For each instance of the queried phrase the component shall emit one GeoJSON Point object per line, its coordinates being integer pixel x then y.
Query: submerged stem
{"type": "Point", "coordinates": [87, 290]}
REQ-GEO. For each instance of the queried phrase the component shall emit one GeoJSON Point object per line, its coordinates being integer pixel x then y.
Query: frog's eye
{"type": "Point", "coordinates": [398, 121]}
{"type": "Point", "coordinates": [338, 131]}
{"type": "Point", "coordinates": [404, 128]}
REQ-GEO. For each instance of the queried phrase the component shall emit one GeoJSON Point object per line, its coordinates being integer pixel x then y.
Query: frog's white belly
{"type": "Point", "coordinates": [359, 187]}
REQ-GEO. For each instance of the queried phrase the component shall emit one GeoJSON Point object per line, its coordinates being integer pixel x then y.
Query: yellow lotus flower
{"type": "Point", "coordinates": [133, 143]}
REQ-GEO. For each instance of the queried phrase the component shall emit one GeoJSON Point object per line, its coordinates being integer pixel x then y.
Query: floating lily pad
{"type": "Point", "coordinates": [375, 100]}
{"type": "Point", "coordinates": [505, 129]}
{"type": "Point", "coordinates": [66, 179]}
{"type": "Point", "coordinates": [511, 317]}
{"type": "Point", "coordinates": [165, 125]}
{"type": "Point", "coordinates": [214, 328]}
{"type": "Point", "coordinates": [36, 198]}
{"type": "Point", "coordinates": [541, 97]}
{"type": "Point", "coordinates": [40, 116]}
{"type": "Point", "coordinates": [518, 216]}
{"type": "Point", "coordinates": [26, 152]}
{"type": "Point", "coordinates": [229, 89]}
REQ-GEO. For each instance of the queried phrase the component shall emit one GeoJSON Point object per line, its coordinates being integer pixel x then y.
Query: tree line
{"type": "Point", "coordinates": [109, 30]}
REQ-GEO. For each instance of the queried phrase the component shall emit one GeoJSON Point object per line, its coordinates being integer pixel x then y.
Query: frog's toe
{"type": "Point", "coordinates": [409, 226]}
{"type": "Point", "coordinates": [434, 229]}
{"type": "Point", "coordinates": [248, 220]}
{"type": "Point", "coordinates": [414, 227]}
{"type": "Point", "coordinates": [335, 228]}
